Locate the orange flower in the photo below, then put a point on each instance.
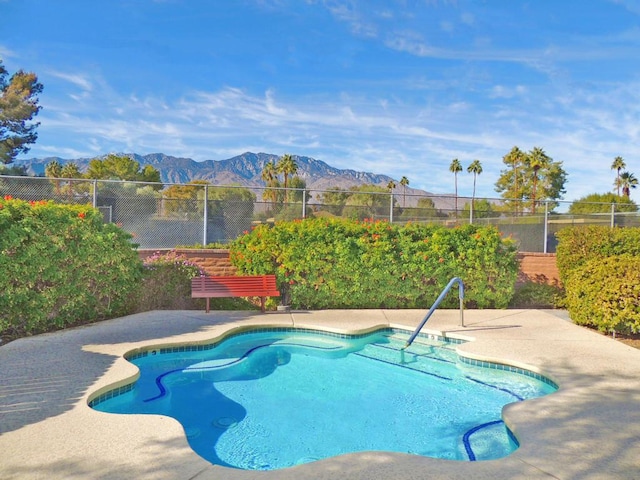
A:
(81, 214)
(441, 260)
(8, 197)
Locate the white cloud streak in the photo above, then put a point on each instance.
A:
(347, 132)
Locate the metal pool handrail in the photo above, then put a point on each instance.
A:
(435, 305)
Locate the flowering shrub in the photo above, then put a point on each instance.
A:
(61, 265)
(337, 263)
(166, 282)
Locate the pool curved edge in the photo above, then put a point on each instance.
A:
(590, 428)
(126, 384)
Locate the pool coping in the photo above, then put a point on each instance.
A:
(588, 429)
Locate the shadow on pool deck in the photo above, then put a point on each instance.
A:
(45, 375)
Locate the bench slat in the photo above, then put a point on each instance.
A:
(234, 286)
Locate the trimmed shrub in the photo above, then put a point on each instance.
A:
(337, 263)
(60, 265)
(605, 293)
(578, 245)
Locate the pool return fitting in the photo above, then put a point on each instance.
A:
(444, 292)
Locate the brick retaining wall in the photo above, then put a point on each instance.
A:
(213, 261)
(537, 267)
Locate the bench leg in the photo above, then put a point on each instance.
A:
(262, 299)
(207, 310)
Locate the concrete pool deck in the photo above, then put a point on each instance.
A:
(589, 429)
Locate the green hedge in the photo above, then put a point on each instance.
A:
(578, 245)
(60, 265)
(605, 293)
(600, 269)
(336, 263)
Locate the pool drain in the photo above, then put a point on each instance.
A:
(224, 422)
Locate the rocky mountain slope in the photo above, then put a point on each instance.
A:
(245, 170)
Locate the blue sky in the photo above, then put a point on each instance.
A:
(393, 87)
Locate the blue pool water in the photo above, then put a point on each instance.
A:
(274, 399)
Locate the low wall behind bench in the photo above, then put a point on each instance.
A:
(537, 267)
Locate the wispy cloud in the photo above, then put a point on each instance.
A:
(349, 12)
(78, 80)
(6, 52)
(395, 139)
(398, 88)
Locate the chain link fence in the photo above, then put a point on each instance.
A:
(170, 215)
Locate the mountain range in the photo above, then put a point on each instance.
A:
(245, 170)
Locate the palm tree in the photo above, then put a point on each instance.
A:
(287, 166)
(53, 169)
(455, 168)
(70, 171)
(618, 164)
(515, 158)
(537, 159)
(404, 181)
(269, 174)
(476, 169)
(391, 185)
(627, 182)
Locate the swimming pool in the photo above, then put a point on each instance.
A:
(273, 398)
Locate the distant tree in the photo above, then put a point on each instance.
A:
(425, 211)
(53, 170)
(404, 181)
(270, 177)
(14, 170)
(151, 175)
(122, 167)
(538, 160)
(476, 169)
(299, 186)
(627, 181)
(455, 168)
(72, 171)
(181, 200)
(601, 203)
(230, 210)
(287, 166)
(391, 185)
(482, 209)
(18, 106)
(367, 201)
(334, 200)
(618, 165)
(532, 177)
(511, 182)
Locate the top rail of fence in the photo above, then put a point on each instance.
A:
(165, 215)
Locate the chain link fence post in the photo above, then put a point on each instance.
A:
(546, 226)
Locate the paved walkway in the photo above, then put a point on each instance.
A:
(589, 429)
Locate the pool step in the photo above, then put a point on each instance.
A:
(443, 367)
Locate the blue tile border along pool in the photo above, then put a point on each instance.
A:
(208, 346)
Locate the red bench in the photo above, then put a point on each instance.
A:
(262, 286)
